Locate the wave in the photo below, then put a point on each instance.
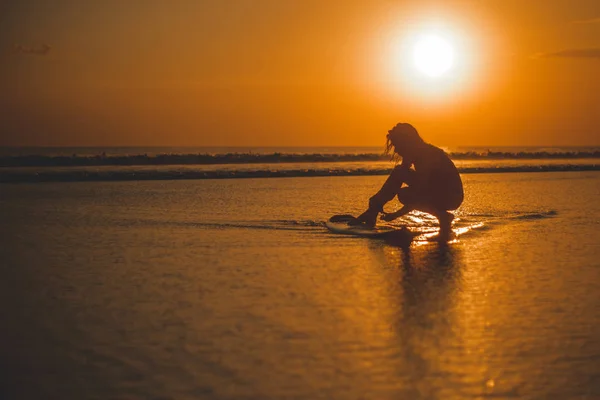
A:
(534, 216)
(77, 175)
(282, 225)
(261, 158)
(266, 225)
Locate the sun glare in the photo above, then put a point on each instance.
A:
(432, 61)
(433, 56)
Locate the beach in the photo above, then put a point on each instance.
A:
(177, 181)
(234, 289)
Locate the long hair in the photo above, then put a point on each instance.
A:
(390, 151)
(403, 133)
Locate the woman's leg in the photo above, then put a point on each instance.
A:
(431, 204)
(388, 191)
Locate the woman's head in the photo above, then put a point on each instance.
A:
(402, 139)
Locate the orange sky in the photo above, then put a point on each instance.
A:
(295, 73)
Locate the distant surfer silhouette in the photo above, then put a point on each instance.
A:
(431, 181)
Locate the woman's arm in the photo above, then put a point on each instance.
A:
(392, 216)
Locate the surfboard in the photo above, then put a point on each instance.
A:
(339, 224)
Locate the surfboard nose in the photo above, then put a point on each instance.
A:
(342, 218)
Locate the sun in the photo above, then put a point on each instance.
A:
(433, 56)
(432, 61)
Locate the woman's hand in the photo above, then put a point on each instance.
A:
(389, 216)
(392, 216)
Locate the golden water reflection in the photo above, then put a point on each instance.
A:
(435, 311)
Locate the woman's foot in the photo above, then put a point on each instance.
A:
(368, 218)
(445, 225)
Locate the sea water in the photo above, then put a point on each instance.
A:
(46, 164)
(234, 289)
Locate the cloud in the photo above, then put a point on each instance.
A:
(572, 53)
(588, 21)
(34, 51)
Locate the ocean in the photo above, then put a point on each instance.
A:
(51, 164)
(125, 286)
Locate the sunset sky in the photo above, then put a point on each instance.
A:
(296, 73)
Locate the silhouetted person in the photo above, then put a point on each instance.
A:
(433, 183)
